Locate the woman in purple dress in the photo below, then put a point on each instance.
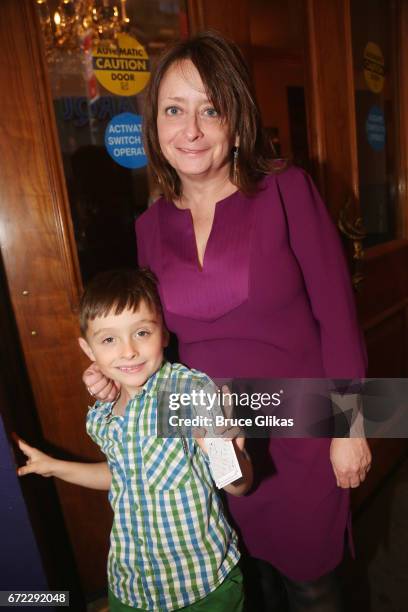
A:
(254, 284)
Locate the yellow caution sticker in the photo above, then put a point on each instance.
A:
(374, 67)
(124, 69)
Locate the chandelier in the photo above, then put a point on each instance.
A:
(67, 23)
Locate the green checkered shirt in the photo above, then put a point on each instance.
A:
(170, 542)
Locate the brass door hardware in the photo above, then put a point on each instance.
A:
(353, 229)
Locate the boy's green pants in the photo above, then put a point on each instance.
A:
(228, 597)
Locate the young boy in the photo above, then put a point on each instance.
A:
(171, 546)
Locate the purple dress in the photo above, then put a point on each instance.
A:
(273, 299)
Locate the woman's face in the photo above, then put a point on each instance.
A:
(192, 137)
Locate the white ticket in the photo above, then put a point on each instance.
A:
(224, 464)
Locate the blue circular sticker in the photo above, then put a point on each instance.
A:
(123, 140)
(375, 128)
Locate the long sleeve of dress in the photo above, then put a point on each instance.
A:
(316, 245)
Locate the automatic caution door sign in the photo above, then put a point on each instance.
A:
(123, 69)
(374, 67)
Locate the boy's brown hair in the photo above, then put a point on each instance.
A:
(116, 290)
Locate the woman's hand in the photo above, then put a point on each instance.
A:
(351, 460)
(100, 387)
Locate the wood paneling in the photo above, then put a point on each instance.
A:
(387, 453)
(272, 76)
(18, 412)
(278, 25)
(332, 139)
(383, 306)
(231, 21)
(385, 279)
(402, 120)
(387, 352)
(330, 101)
(39, 257)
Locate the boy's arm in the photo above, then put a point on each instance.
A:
(91, 475)
(243, 484)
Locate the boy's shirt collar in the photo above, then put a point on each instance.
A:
(151, 385)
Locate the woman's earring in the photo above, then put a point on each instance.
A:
(235, 164)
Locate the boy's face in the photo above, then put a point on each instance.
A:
(127, 347)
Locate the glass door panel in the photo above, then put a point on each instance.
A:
(99, 55)
(374, 44)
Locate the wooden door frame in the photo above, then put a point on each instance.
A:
(336, 170)
(203, 15)
(39, 254)
(334, 159)
(327, 108)
(402, 95)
